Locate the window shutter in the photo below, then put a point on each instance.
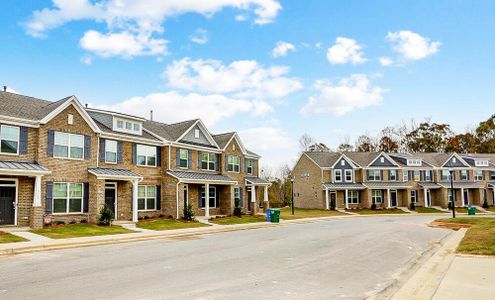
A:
(158, 156)
(86, 197)
(50, 143)
(254, 168)
(422, 175)
(49, 197)
(200, 189)
(217, 162)
(217, 197)
(411, 175)
(200, 159)
(240, 197)
(87, 147)
(240, 164)
(102, 150)
(381, 174)
(23, 140)
(134, 154)
(177, 157)
(226, 162)
(158, 198)
(189, 159)
(120, 152)
(246, 165)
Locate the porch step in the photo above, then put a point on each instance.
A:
(440, 208)
(405, 209)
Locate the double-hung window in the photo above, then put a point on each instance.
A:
(376, 196)
(392, 175)
(67, 198)
(374, 175)
(478, 175)
(146, 155)
(233, 163)
(208, 161)
(249, 166)
(184, 158)
(348, 175)
(337, 175)
(68, 145)
(417, 175)
(147, 197)
(353, 197)
(110, 151)
(445, 175)
(405, 175)
(464, 175)
(9, 139)
(428, 175)
(492, 175)
(213, 197)
(237, 197)
(414, 196)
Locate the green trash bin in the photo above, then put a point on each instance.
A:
(471, 210)
(275, 215)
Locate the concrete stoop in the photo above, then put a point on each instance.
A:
(440, 208)
(405, 209)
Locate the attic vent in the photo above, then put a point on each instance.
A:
(196, 133)
(454, 160)
(70, 119)
(342, 162)
(233, 147)
(382, 159)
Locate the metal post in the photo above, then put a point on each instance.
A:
(292, 190)
(452, 192)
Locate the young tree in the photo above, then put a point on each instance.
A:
(387, 144)
(345, 148)
(463, 143)
(365, 143)
(305, 141)
(485, 133)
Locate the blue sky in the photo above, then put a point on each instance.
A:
(218, 62)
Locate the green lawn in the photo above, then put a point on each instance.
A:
(79, 230)
(168, 224)
(377, 211)
(238, 220)
(463, 210)
(300, 213)
(491, 208)
(10, 238)
(480, 237)
(428, 210)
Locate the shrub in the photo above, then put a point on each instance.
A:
(412, 206)
(373, 206)
(237, 208)
(59, 223)
(188, 213)
(84, 221)
(485, 205)
(146, 217)
(106, 216)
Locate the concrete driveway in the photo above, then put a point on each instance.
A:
(339, 258)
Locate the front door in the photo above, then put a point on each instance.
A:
(466, 197)
(428, 198)
(186, 195)
(7, 205)
(110, 197)
(333, 200)
(393, 198)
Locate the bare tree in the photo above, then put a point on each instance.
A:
(305, 141)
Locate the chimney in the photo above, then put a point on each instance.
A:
(86, 105)
(151, 115)
(4, 88)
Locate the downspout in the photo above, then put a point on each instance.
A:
(169, 153)
(177, 197)
(98, 152)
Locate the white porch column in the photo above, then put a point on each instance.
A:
(425, 196)
(388, 199)
(346, 199)
(326, 199)
(135, 201)
(493, 195)
(253, 194)
(207, 200)
(37, 192)
(462, 197)
(265, 195)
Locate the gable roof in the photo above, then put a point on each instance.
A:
(177, 130)
(222, 139)
(362, 159)
(323, 159)
(401, 160)
(27, 108)
(440, 159)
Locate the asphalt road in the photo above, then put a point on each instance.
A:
(346, 258)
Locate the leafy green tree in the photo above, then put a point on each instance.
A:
(428, 137)
(485, 133)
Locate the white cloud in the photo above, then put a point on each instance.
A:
(241, 18)
(200, 36)
(123, 44)
(134, 24)
(266, 138)
(240, 79)
(412, 46)
(282, 48)
(345, 51)
(172, 107)
(385, 61)
(350, 93)
(87, 60)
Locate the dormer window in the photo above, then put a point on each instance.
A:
(414, 162)
(481, 163)
(127, 126)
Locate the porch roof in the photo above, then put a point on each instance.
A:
(23, 168)
(197, 177)
(256, 181)
(343, 186)
(429, 185)
(114, 174)
(387, 185)
(490, 184)
(462, 185)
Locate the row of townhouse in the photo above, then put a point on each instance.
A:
(359, 179)
(61, 161)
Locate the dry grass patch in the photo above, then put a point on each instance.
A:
(6, 237)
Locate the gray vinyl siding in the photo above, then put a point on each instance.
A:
(386, 162)
(202, 140)
(451, 163)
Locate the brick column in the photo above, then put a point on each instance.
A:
(36, 217)
(96, 198)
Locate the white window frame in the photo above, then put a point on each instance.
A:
(107, 142)
(353, 197)
(337, 173)
(374, 177)
(69, 145)
(233, 162)
(18, 139)
(390, 175)
(67, 199)
(146, 156)
(203, 196)
(405, 175)
(464, 174)
(128, 126)
(181, 151)
(414, 195)
(445, 175)
(249, 166)
(146, 197)
(478, 175)
(481, 163)
(211, 158)
(348, 175)
(427, 175)
(417, 175)
(375, 195)
(492, 175)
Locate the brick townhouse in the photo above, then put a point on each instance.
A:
(62, 161)
(359, 179)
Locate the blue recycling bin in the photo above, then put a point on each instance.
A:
(268, 217)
